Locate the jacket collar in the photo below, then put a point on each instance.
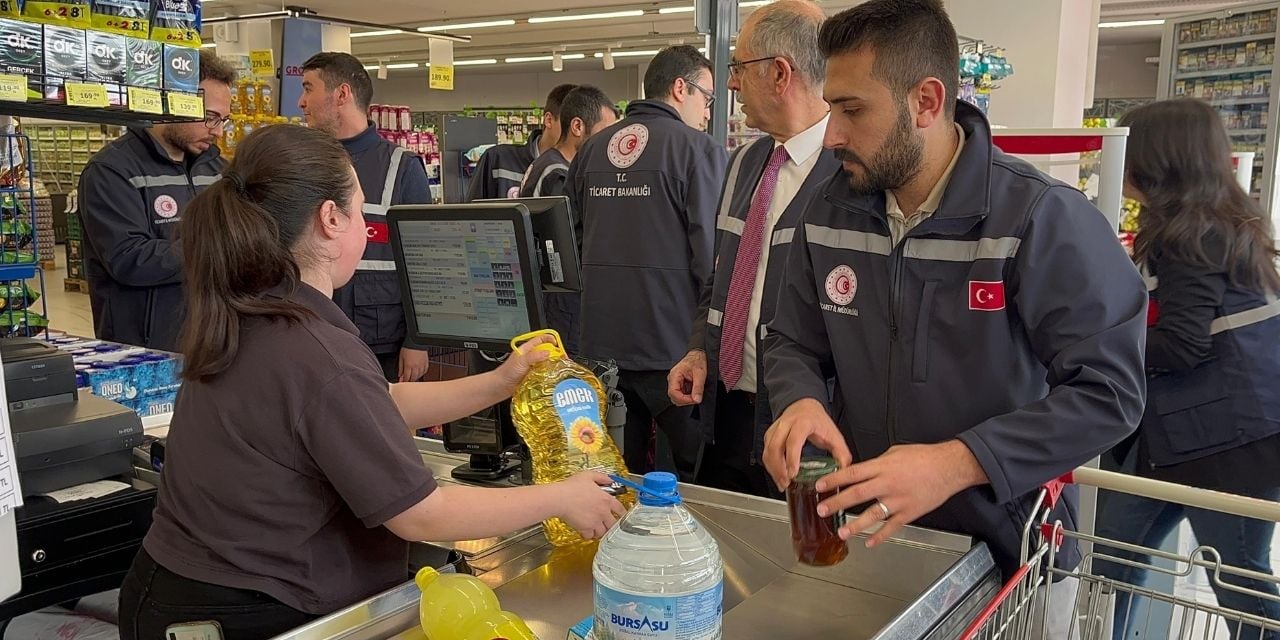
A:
(363, 141)
(311, 299)
(532, 144)
(158, 152)
(652, 108)
(968, 193)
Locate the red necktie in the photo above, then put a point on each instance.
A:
(743, 281)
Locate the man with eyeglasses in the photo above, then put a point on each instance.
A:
(778, 74)
(646, 189)
(132, 194)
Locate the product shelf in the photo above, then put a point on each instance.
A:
(40, 105)
(1224, 71)
(1245, 39)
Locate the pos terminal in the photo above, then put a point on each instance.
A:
(471, 277)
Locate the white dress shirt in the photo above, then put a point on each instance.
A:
(803, 150)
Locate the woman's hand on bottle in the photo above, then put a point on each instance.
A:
(585, 505)
(517, 365)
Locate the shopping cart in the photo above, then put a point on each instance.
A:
(1021, 610)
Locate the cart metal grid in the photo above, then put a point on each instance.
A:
(1020, 610)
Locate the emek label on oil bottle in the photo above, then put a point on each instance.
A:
(579, 408)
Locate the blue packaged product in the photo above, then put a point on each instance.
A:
(154, 405)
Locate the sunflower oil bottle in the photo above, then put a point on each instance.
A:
(461, 607)
(559, 411)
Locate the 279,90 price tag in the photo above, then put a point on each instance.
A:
(186, 105)
(145, 101)
(13, 88)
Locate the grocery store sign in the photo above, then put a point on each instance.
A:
(441, 72)
(145, 101)
(86, 95)
(262, 63)
(13, 88)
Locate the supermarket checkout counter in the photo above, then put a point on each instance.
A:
(921, 584)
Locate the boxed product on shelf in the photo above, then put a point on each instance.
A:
(122, 17)
(181, 68)
(176, 22)
(145, 381)
(65, 58)
(22, 48)
(144, 65)
(66, 13)
(106, 52)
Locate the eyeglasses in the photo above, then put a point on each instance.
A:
(735, 68)
(214, 121)
(711, 97)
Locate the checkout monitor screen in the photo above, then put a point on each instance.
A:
(467, 275)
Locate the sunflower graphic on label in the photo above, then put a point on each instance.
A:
(578, 406)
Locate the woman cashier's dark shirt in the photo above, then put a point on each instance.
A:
(280, 472)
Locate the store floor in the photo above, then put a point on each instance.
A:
(69, 312)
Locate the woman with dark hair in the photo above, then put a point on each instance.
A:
(291, 480)
(1213, 353)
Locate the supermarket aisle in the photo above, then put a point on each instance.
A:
(68, 311)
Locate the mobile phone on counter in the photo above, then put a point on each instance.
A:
(208, 630)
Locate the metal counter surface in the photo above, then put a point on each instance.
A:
(903, 589)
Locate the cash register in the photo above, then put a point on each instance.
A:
(62, 437)
(474, 275)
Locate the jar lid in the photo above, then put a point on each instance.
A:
(813, 468)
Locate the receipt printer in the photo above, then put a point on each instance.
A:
(62, 437)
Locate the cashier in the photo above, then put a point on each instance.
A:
(291, 481)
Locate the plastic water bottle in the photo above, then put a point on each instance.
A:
(658, 573)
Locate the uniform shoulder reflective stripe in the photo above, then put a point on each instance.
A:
(715, 317)
(1246, 318)
(961, 250)
(143, 182)
(204, 181)
(376, 265)
(375, 209)
(537, 187)
(506, 174)
(848, 239)
(733, 225)
(726, 199)
(783, 236)
(393, 171)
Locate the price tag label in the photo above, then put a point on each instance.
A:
(86, 95)
(13, 88)
(262, 63)
(146, 101)
(186, 105)
(441, 77)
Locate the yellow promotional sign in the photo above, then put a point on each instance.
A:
(145, 101)
(262, 63)
(441, 77)
(13, 88)
(186, 105)
(86, 95)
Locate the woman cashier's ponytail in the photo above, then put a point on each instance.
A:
(248, 232)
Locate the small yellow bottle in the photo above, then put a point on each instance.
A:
(461, 607)
(266, 103)
(559, 411)
(250, 99)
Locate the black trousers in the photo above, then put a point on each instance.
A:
(390, 365)
(152, 598)
(726, 464)
(647, 403)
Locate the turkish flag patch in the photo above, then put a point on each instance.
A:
(986, 296)
(378, 232)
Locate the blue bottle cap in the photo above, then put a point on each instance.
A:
(659, 489)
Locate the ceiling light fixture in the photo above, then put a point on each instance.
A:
(1130, 23)
(375, 34)
(627, 54)
(399, 65)
(667, 10)
(754, 3)
(208, 45)
(567, 56)
(467, 25)
(470, 63)
(587, 16)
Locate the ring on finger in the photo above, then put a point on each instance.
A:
(884, 509)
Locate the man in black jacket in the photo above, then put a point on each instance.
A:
(336, 91)
(132, 194)
(501, 170)
(646, 189)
